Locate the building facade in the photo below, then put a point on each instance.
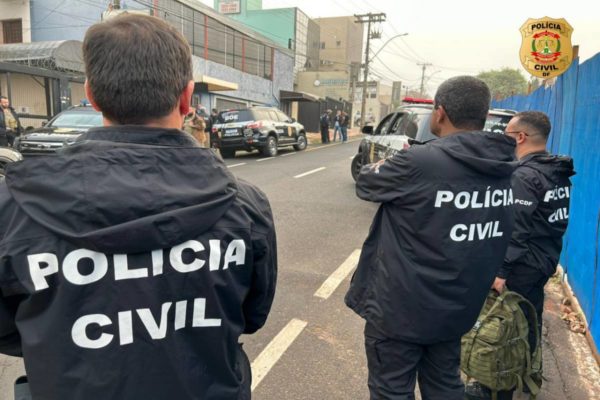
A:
(233, 65)
(15, 21)
(340, 49)
(378, 103)
(290, 28)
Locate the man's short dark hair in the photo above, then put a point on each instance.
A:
(3, 98)
(137, 67)
(534, 123)
(466, 101)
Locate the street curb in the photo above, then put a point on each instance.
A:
(577, 308)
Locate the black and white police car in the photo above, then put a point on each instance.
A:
(263, 128)
(409, 123)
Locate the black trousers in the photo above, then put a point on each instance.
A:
(529, 282)
(324, 135)
(395, 366)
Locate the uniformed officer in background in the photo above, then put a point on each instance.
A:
(542, 190)
(131, 263)
(434, 247)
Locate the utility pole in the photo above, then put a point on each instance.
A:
(368, 19)
(424, 66)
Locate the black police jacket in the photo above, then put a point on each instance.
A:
(438, 238)
(130, 265)
(542, 191)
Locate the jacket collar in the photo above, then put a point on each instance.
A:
(532, 155)
(136, 134)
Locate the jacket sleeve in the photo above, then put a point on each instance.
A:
(10, 340)
(387, 180)
(262, 291)
(526, 198)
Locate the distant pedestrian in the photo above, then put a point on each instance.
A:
(214, 119)
(198, 125)
(10, 126)
(344, 120)
(325, 126)
(336, 125)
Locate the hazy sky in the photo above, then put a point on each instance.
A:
(457, 37)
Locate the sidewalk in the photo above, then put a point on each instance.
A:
(315, 137)
(569, 366)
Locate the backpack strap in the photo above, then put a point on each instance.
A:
(534, 388)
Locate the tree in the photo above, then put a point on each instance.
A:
(504, 82)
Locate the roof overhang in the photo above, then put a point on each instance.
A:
(286, 95)
(214, 84)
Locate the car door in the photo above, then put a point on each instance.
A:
(277, 125)
(289, 131)
(405, 127)
(379, 142)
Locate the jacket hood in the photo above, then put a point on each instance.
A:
(554, 167)
(484, 152)
(125, 189)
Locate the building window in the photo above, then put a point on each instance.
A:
(322, 45)
(338, 43)
(12, 31)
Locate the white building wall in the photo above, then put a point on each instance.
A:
(17, 9)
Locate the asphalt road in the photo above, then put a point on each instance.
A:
(320, 224)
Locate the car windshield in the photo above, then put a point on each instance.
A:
(496, 123)
(77, 119)
(235, 116)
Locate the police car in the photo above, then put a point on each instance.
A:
(263, 128)
(409, 123)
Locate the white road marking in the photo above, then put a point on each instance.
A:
(274, 350)
(351, 157)
(310, 172)
(265, 159)
(288, 154)
(334, 280)
(236, 165)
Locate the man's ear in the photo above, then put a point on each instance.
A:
(89, 96)
(440, 115)
(185, 100)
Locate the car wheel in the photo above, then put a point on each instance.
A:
(301, 143)
(356, 165)
(270, 149)
(227, 153)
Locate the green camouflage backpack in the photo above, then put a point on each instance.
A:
(496, 353)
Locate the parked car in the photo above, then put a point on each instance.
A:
(262, 128)
(60, 131)
(8, 155)
(409, 124)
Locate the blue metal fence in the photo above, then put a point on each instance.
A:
(573, 105)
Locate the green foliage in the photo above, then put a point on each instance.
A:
(504, 82)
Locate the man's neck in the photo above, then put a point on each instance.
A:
(171, 121)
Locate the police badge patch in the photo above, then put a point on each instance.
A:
(546, 50)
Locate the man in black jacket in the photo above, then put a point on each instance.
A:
(542, 190)
(434, 247)
(131, 263)
(324, 124)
